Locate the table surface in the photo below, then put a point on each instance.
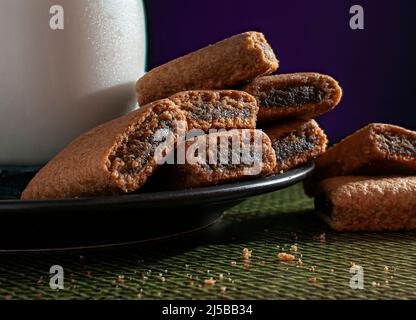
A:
(266, 225)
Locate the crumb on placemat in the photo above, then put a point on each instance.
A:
(285, 256)
(210, 282)
(246, 254)
(121, 279)
(313, 280)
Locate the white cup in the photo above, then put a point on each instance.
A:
(57, 83)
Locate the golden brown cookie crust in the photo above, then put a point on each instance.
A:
(296, 142)
(218, 66)
(217, 109)
(294, 95)
(350, 204)
(91, 166)
(197, 175)
(377, 149)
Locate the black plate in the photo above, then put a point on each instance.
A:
(120, 220)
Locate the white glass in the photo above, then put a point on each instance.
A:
(56, 84)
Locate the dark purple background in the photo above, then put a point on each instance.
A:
(376, 67)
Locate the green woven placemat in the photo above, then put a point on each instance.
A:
(267, 225)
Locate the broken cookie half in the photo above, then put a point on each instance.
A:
(377, 149)
(217, 109)
(296, 143)
(295, 95)
(223, 157)
(114, 158)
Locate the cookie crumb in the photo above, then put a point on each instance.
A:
(221, 276)
(233, 263)
(210, 282)
(351, 264)
(121, 279)
(313, 280)
(375, 284)
(300, 262)
(294, 248)
(312, 269)
(223, 289)
(386, 269)
(246, 254)
(285, 256)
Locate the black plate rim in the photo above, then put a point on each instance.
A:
(113, 245)
(220, 192)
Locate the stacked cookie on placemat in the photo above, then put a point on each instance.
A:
(365, 182)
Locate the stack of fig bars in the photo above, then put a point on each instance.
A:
(364, 183)
(240, 121)
(229, 87)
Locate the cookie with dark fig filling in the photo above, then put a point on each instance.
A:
(358, 203)
(377, 149)
(296, 142)
(222, 109)
(222, 157)
(295, 95)
(115, 158)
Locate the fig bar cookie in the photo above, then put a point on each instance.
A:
(377, 149)
(116, 157)
(223, 157)
(368, 203)
(296, 142)
(209, 109)
(222, 65)
(296, 95)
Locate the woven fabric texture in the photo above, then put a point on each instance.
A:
(280, 222)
